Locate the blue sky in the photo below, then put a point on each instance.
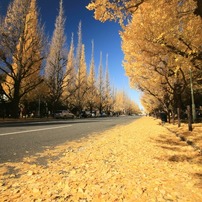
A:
(105, 35)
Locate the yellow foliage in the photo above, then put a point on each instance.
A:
(27, 59)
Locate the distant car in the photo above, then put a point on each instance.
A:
(85, 114)
(63, 114)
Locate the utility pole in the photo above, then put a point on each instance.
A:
(192, 96)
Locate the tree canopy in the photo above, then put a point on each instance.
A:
(161, 41)
(66, 82)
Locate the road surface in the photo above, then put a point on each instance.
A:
(18, 140)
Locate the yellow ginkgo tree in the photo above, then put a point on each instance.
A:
(161, 41)
(21, 45)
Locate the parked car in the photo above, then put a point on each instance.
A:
(86, 114)
(63, 114)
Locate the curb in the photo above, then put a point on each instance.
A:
(189, 142)
(21, 121)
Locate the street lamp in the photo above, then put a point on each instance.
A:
(192, 96)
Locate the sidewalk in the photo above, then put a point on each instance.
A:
(142, 162)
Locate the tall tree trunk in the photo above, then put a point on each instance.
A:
(178, 117)
(169, 118)
(189, 118)
(15, 108)
(16, 100)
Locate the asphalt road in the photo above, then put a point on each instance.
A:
(18, 140)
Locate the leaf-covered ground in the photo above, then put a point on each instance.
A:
(142, 161)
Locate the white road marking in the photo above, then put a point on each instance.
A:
(35, 130)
